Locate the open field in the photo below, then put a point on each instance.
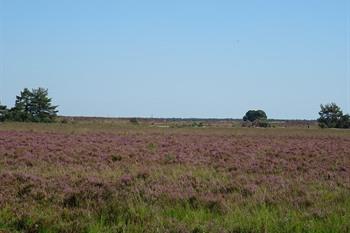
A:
(119, 177)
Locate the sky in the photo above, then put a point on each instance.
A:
(198, 58)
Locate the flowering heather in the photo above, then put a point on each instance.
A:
(174, 180)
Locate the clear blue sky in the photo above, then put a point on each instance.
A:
(178, 58)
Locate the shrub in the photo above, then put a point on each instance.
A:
(261, 123)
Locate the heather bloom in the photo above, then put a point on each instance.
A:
(100, 174)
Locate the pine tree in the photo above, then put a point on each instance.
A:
(40, 106)
(21, 111)
(3, 112)
(34, 106)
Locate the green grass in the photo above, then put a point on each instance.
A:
(137, 215)
(140, 216)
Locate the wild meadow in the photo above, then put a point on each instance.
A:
(120, 177)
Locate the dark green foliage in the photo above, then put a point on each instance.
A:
(41, 108)
(3, 112)
(331, 116)
(21, 111)
(261, 123)
(32, 106)
(345, 122)
(253, 115)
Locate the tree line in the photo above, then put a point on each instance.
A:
(30, 106)
(35, 106)
(331, 116)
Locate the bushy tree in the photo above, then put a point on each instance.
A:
(345, 122)
(253, 115)
(256, 118)
(331, 116)
(34, 106)
(3, 112)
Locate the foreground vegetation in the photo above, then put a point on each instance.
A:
(122, 177)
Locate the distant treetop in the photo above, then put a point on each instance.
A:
(253, 115)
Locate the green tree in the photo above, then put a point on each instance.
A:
(253, 115)
(3, 112)
(345, 122)
(40, 108)
(21, 111)
(34, 106)
(331, 116)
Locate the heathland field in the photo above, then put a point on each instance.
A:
(105, 176)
